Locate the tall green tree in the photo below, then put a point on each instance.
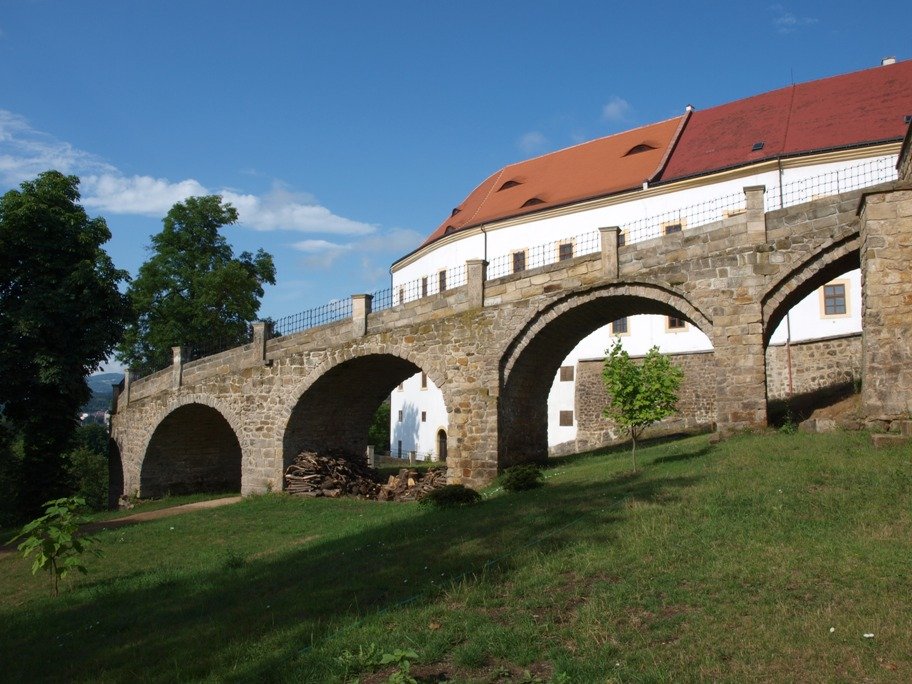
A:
(193, 291)
(640, 393)
(61, 314)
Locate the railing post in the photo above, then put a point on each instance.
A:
(610, 251)
(756, 216)
(259, 342)
(476, 271)
(361, 308)
(177, 366)
(371, 456)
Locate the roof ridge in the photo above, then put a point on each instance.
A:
(589, 142)
(803, 83)
(485, 199)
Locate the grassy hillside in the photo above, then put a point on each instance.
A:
(763, 558)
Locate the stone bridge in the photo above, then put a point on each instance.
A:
(234, 420)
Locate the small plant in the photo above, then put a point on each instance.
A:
(449, 496)
(403, 662)
(789, 426)
(520, 478)
(53, 539)
(355, 663)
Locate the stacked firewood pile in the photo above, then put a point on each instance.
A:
(411, 485)
(314, 474)
(335, 475)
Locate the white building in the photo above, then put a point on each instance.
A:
(801, 142)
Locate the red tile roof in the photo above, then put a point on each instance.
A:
(850, 110)
(592, 169)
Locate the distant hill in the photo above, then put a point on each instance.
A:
(100, 384)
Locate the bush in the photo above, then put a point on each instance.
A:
(450, 496)
(521, 477)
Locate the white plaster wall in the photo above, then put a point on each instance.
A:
(416, 434)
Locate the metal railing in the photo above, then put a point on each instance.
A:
(684, 218)
(193, 352)
(335, 310)
(830, 183)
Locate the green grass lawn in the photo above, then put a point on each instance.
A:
(762, 558)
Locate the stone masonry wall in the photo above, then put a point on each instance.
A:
(816, 365)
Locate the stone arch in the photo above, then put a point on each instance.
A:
(533, 356)
(193, 446)
(834, 259)
(331, 409)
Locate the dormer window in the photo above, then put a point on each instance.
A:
(758, 146)
(509, 184)
(637, 149)
(456, 210)
(448, 230)
(533, 201)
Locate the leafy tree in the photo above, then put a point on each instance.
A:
(52, 537)
(379, 432)
(61, 314)
(641, 393)
(193, 291)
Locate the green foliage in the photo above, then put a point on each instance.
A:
(403, 662)
(53, 539)
(86, 465)
(193, 291)
(522, 477)
(379, 433)
(61, 314)
(449, 496)
(640, 393)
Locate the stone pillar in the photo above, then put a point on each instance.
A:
(904, 163)
(177, 366)
(259, 343)
(476, 272)
(412, 457)
(610, 251)
(886, 315)
(371, 456)
(124, 398)
(740, 360)
(361, 308)
(756, 216)
(472, 435)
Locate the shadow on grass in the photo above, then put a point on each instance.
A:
(256, 616)
(623, 448)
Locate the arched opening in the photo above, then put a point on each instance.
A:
(334, 414)
(192, 450)
(441, 446)
(813, 339)
(563, 350)
(115, 474)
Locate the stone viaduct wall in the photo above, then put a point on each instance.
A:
(494, 347)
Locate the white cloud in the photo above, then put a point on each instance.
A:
(318, 246)
(324, 253)
(533, 141)
(26, 152)
(616, 109)
(786, 22)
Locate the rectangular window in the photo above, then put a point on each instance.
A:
(622, 238)
(400, 416)
(424, 416)
(442, 280)
(566, 418)
(399, 449)
(423, 380)
(424, 286)
(619, 327)
(835, 302)
(566, 373)
(673, 228)
(675, 323)
(519, 262)
(401, 295)
(564, 251)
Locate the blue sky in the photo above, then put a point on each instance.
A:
(345, 132)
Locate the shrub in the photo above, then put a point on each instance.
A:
(519, 478)
(449, 496)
